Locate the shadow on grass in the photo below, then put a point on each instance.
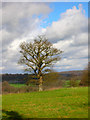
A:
(11, 115)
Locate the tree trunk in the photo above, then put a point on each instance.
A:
(40, 84)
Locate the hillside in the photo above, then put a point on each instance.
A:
(22, 78)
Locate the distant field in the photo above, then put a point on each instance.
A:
(67, 84)
(61, 103)
(18, 85)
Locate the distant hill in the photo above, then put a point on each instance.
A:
(22, 78)
(69, 73)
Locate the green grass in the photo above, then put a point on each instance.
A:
(17, 85)
(61, 103)
(20, 85)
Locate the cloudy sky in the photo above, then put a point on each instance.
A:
(64, 23)
(45, 0)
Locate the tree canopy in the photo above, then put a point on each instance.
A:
(39, 55)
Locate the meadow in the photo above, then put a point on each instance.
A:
(60, 103)
(18, 85)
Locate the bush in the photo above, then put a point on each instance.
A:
(0, 87)
(62, 83)
(7, 88)
(71, 83)
(5, 83)
(85, 81)
(25, 89)
(74, 83)
(51, 80)
(28, 83)
(32, 83)
(85, 78)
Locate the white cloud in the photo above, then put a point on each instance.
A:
(69, 34)
(20, 23)
(73, 57)
(13, 12)
(71, 64)
(71, 23)
(81, 39)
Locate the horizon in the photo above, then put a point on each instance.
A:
(44, 73)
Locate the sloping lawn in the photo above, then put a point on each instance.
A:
(61, 103)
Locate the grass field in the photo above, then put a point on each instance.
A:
(20, 85)
(17, 85)
(61, 103)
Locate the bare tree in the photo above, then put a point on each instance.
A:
(39, 56)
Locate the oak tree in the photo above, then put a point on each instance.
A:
(39, 56)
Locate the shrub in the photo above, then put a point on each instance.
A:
(85, 78)
(7, 88)
(25, 89)
(5, 83)
(32, 83)
(73, 82)
(62, 83)
(0, 87)
(85, 81)
(28, 83)
(51, 80)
